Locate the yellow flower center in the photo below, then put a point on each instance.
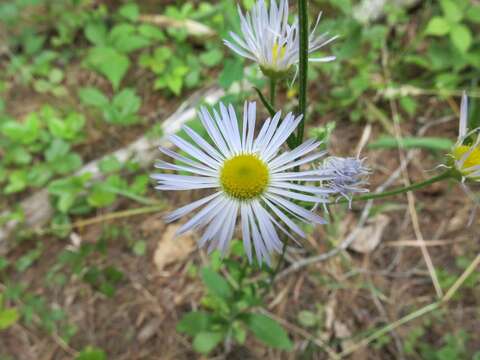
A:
(473, 159)
(244, 177)
(278, 53)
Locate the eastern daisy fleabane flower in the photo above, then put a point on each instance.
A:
(466, 156)
(268, 39)
(348, 176)
(251, 177)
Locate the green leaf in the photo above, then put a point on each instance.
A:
(473, 14)
(92, 353)
(17, 181)
(268, 331)
(123, 37)
(437, 26)
(430, 143)
(124, 108)
(39, 174)
(25, 261)
(205, 342)
(101, 196)
(212, 57)
(8, 317)
(451, 10)
(96, 33)
(461, 37)
(110, 63)
(110, 164)
(127, 102)
(232, 72)
(24, 133)
(216, 284)
(129, 11)
(194, 322)
(151, 32)
(93, 97)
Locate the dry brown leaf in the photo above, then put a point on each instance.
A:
(172, 248)
(368, 237)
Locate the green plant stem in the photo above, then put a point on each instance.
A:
(303, 66)
(273, 87)
(415, 186)
(302, 103)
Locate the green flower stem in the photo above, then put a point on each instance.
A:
(303, 66)
(273, 87)
(302, 105)
(413, 187)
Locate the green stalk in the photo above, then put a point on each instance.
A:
(273, 86)
(303, 67)
(302, 103)
(416, 186)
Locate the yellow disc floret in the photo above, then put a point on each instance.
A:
(244, 177)
(273, 70)
(278, 53)
(471, 160)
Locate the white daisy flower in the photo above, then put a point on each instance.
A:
(252, 179)
(466, 157)
(268, 39)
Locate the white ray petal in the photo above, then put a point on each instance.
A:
(184, 210)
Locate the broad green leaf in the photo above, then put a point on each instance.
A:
(216, 284)
(39, 174)
(17, 181)
(124, 108)
(100, 196)
(437, 26)
(25, 261)
(212, 57)
(123, 37)
(129, 11)
(127, 102)
(232, 72)
(451, 9)
(18, 155)
(91, 353)
(431, 143)
(194, 322)
(268, 331)
(473, 14)
(110, 164)
(110, 63)
(93, 97)
(205, 342)
(132, 43)
(24, 133)
(151, 32)
(96, 33)
(66, 129)
(8, 317)
(461, 37)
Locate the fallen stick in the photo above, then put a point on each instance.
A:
(192, 27)
(37, 208)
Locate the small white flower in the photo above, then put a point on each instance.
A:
(349, 175)
(250, 180)
(466, 157)
(268, 39)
